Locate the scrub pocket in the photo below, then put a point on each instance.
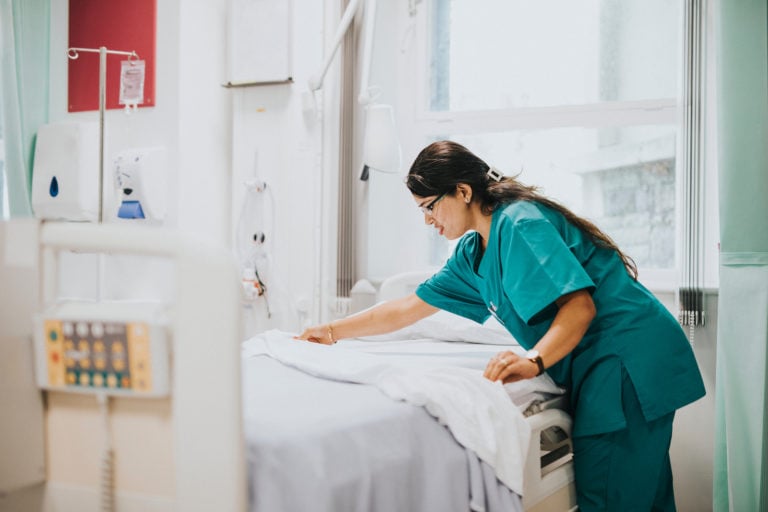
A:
(596, 398)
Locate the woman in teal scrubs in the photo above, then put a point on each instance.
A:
(570, 297)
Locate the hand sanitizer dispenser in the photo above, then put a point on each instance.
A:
(140, 180)
(65, 176)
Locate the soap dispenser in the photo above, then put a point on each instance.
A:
(65, 174)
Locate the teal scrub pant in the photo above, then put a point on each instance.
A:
(629, 469)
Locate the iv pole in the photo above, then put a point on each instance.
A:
(73, 53)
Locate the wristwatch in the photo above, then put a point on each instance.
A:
(534, 357)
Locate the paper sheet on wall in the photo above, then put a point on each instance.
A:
(260, 41)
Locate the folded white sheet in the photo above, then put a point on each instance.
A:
(479, 413)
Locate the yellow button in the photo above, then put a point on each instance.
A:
(111, 380)
(84, 379)
(71, 378)
(98, 380)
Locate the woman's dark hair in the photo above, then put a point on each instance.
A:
(442, 166)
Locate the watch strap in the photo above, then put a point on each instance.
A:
(539, 362)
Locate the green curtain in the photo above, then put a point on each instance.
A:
(25, 29)
(741, 449)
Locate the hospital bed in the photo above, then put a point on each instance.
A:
(329, 443)
(249, 432)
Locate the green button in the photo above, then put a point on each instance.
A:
(53, 335)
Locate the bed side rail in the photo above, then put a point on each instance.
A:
(548, 467)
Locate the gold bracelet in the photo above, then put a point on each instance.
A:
(330, 334)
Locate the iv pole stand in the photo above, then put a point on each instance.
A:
(73, 53)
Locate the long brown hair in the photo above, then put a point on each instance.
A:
(442, 166)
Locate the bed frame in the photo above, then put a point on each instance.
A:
(193, 435)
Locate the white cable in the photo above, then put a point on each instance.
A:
(107, 459)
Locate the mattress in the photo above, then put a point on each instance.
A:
(321, 442)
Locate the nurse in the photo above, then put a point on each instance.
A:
(569, 296)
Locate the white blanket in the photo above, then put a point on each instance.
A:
(479, 413)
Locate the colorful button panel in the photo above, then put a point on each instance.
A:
(98, 355)
(54, 349)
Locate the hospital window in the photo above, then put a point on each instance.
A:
(580, 98)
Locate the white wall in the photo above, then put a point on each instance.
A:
(277, 137)
(203, 118)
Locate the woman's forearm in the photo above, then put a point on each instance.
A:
(386, 317)
(574, 315)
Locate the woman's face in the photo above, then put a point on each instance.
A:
(449, 214)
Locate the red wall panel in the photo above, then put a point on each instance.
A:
(122, 25)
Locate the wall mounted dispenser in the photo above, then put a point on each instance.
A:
(65, 176)
(140, 179)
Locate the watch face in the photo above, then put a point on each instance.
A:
(532, 354)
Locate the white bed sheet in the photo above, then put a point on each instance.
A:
(330, 446)
(405, 371)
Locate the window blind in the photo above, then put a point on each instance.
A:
(690, 292)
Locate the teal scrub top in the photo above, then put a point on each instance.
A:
(533, 257)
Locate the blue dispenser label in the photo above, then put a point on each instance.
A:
(131, 210)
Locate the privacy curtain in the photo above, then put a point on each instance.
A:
(741, 450)
(24, 28)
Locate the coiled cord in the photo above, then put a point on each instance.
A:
(107, 484)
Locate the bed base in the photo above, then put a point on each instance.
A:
(548, 478)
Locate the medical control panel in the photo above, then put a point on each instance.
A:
(82, 353)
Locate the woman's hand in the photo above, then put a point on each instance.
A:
(317, 334)
(510, 367)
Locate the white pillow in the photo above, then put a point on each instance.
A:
(447, 326)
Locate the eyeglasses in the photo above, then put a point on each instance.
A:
(427, 208)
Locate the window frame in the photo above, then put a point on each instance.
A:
(418, 123)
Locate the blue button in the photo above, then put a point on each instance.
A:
(131, 210)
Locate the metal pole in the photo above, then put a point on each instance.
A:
(102, 108)
(74, 53)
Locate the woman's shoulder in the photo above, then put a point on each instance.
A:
(521, 211)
